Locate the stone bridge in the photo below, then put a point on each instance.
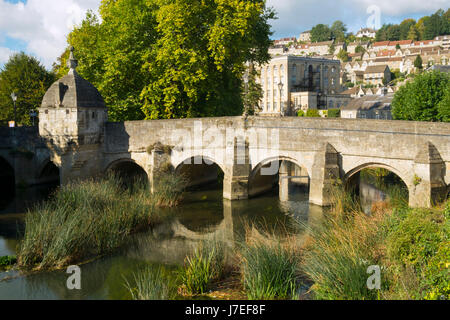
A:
(253, 154)
(324, 149)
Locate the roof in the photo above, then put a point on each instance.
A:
(381, 43)
(370, 102)
(351, 91)
(440, 68)
(376, 69)
(72, 91)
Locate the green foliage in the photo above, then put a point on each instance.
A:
(28, 79)
(6, 261)
(426, 28)
(171, 59)
(437, 274)
(252, 92)
(343, 55)
(300, 113)
(360, 49)
(418, 62)
(203, 266)
(334, 113)
(415, 240)
(312, 113)
(418, 245)
(420, 99)
(444, 106)
(321, 32)
(338, 31)
(269, 271)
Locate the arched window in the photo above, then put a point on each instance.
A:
(294, 74)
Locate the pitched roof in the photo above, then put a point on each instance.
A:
(370, 102)
(376, 69)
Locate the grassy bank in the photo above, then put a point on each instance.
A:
(410, 246)
(87, 219)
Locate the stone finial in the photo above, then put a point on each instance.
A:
(72, 63)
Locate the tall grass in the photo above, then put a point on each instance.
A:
(151, 284)
(269, 268)
(169, 189)
(203, 266)
(85, 219)
(341, 248)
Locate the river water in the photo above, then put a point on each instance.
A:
(203, 215)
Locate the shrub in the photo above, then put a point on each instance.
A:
(334, 113)
(313, 113)
(300, 113)
(437, 274)
(415, 239)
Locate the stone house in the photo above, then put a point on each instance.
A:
(305, 36)
(366, 32)
(369, 107)
(376, 74)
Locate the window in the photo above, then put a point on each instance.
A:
(294, 74)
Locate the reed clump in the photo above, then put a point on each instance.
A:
(151, 284)
(85, 219)
(270, 266)
(205, 265)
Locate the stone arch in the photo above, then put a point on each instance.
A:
(200, 170)
(128, 170)
(272, 159)
(48, 172)
(351, 173)
(259, 184)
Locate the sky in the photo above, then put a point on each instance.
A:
(40, 27)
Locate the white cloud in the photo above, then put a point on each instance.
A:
(4, 54)
(43, 24)
(296, 16)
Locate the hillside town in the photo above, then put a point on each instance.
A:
(325, 75)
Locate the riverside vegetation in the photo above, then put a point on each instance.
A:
(92, 218)
(411, 247)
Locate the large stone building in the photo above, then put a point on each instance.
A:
(292, 83)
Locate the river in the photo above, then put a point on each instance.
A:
(203, 215)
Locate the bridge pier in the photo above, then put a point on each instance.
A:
(285, 182)
(428, 186)
(325, 171)
(235, 183)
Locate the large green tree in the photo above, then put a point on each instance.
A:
(444, 106)
(29, 80)
(171, 58)
(423, 98)
(321, 32)
(338, 31)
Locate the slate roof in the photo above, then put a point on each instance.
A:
(370, 102)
